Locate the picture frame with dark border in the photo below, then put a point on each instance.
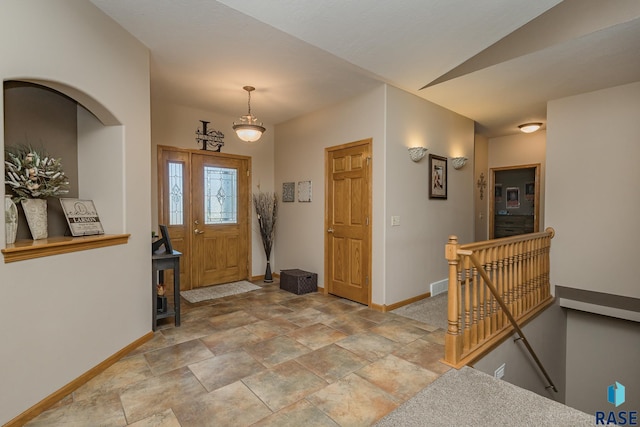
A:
(165, 241)
(437, 177)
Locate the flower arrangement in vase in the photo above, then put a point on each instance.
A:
(266, 205)
(33, 176)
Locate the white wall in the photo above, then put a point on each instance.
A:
(600, 351)
(64, 314)
(175, 125)
(592, 200)
(480, 165)
(546, 334)
(406, 259)
(414, 251)
(299, 156)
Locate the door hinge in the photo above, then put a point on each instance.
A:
(366, 279)
(248, 173)
(368, 160)
(367, 221)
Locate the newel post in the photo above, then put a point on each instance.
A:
(453, 339)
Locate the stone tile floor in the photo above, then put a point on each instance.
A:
(263, 358)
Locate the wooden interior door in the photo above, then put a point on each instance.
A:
(347, 219)
(219, 211)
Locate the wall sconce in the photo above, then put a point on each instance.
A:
(530, 127)
(209, 138)
(459, 162)
(417, 153)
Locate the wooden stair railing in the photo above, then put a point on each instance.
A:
(493, 287)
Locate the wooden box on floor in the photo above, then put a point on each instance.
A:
(298, 281)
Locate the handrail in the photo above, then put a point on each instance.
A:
(507, 312)
(494, 287)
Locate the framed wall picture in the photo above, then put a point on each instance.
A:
(304, 191)
(497, 189)
(437, 177)
(513, 197)
(529, 190)
(82, 217)
(288, 191)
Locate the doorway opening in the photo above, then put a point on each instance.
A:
(514, 204)
(204, 202)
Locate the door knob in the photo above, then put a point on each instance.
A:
(330, 230)
(196, 222)
(198, 231)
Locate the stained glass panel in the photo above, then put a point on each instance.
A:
(176, 194)
(220, 195)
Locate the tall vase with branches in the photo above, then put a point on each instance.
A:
(266, 204)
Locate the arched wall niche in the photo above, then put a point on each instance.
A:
(70, 124)
(87, 101)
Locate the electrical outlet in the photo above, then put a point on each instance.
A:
(499, 373)
(395, 221)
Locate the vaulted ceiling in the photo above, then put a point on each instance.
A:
(497, 62)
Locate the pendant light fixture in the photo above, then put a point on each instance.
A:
(248, 129)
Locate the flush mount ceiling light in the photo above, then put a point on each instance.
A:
(248, 129)
(530, 127)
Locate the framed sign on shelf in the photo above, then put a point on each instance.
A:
(82, 217)
(437, 177)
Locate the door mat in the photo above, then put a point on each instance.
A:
(218, 291)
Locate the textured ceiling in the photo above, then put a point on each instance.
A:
(496, 61)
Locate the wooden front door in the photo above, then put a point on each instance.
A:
(204, 201)
(347, 220)
(219, 204)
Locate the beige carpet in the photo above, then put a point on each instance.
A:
(432, 311)
(218, 291)
(472, 398)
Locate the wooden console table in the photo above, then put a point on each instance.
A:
(159, 263)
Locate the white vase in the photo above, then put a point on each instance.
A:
(10, 220)
(35, 210)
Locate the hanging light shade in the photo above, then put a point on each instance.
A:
(248, 129)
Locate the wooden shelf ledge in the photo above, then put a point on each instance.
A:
(29, 249)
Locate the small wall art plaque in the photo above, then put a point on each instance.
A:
(288, 191)
(304, 191)
(82, 217)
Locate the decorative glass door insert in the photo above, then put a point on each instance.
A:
(221, 195)
(176, 193)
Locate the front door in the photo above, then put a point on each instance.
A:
(204, 201)
(219, 205)
(348, 219)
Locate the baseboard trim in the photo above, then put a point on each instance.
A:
(261, 277)
(58, 395)
(386, 308)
